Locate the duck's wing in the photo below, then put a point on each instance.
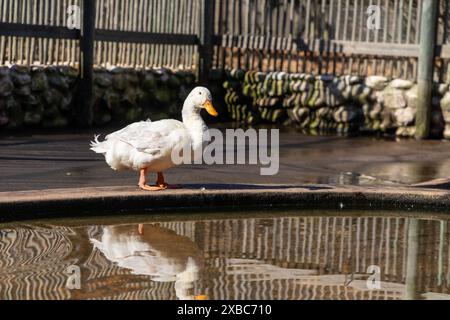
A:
(137, 126)
(151, 137)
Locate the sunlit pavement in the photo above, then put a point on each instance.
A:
(64, 161)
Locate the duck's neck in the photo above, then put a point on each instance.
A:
(194, 123)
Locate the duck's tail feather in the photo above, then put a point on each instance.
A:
(97, 146)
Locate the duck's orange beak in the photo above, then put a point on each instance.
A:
(201, 297)
(210, 109)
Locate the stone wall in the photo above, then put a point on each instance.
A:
(323, 104)
(36, 97)
(45, 98)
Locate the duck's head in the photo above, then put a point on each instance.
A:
(200, 98)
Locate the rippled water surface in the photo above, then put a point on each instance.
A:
(312, 255)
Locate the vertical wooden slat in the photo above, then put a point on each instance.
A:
(2, 38)
(84, 105)
(206, 49)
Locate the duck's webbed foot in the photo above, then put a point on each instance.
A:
(162, 184)
(143, 182)
(146, 187)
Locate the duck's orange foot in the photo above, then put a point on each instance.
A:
(161, 183)
(143, 183)
(165, 186)
(146, 187)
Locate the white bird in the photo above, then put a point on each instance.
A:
(148, 146)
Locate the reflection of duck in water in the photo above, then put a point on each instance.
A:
(154, 251)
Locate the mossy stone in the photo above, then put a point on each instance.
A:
(6, 87)
(39, 82)
(393, 98)
(133, 114)
(140, 95)
(376, 82)
(14, 113)
(189, 79)
(401, 84)
(132, 77)
(32, 119)
(130, 96)
(112, 99)
(68, 72)
(102, 118)
(163, 95)
(174, 82)
(103, 79)
(3, 119)
(51, 111)
(119, 82)
(445, 101)
(4, 71)
(58, 81)
(405, 116)
(102, 114)
(20, 79)
(149, 81)
(22, 90)
(20, 69)
(53, 96)
(57, 122)
(67, 102)
(71, 75)
(28, 100)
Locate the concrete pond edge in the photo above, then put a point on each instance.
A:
(63, 203)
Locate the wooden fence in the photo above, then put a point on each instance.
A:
(325, 36)
(135, 33)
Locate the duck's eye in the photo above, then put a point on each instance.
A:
(200, 93)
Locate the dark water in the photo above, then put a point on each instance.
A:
(312, 255)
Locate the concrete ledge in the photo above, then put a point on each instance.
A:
(443, 183)
(119, 200)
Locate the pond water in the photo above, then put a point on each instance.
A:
(273, 255)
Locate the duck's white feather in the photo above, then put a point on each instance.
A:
(143, 145)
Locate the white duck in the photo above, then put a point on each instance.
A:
(147, 146)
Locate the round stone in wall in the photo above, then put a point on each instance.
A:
(402, 84)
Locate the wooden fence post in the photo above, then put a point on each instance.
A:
(206, 41)
(85, 84)
(428, 34)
